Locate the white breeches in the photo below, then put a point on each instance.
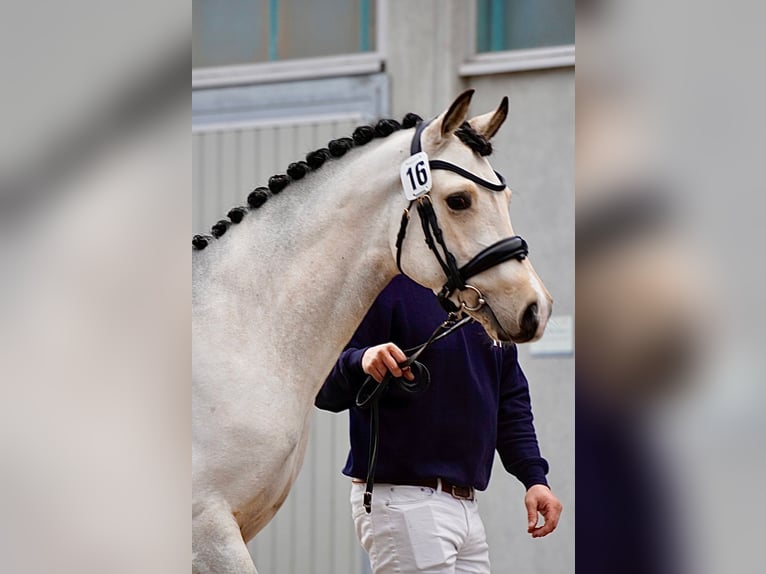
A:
(419, 529)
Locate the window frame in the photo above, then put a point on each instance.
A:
(348, 98)
(300, 68)
(507, 61)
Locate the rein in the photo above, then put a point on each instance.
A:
(515, 247)
(371, 391)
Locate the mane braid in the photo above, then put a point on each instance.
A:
(298, 170)
(258, 197)
(339, 147)
(278, 182)
(220, 228)
(315, 159)
(236, 214)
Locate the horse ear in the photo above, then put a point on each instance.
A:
(455, 115)
(449, 120)
(488, 124)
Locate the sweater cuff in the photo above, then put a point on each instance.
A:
(534, 474)
(530, 471)
(355, 361)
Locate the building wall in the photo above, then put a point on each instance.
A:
(423, 53)
(535, 151)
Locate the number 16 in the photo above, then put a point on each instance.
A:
(420, 174)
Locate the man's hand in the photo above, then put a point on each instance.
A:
(540, 499)
(377, 361)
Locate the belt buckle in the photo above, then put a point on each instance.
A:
(461, 492)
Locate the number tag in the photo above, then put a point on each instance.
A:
(416, 175)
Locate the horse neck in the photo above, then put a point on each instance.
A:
(297, 276)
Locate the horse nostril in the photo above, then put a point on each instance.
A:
(529, 321)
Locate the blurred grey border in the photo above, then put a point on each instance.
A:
(95, 182)
(670, 139)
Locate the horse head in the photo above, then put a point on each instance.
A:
(465, 248)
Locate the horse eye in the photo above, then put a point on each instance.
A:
(459, 201)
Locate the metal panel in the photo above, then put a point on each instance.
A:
(283, 103)
(313, 532)
(228, 164)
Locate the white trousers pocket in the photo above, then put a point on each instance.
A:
(427, 549)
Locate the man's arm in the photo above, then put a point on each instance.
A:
(518, 448)
(339, 390)
(363, 357)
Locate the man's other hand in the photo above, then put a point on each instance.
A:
(377, 361)
(540, 499)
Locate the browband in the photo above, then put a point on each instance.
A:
(416, 147)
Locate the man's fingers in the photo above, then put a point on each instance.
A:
(551, 515)
(531, 514)
(380, 360)
(545, 529)
(391, 364)
(399, 357)
(397, 353)
(377, 373)
(541, 531)
(552, 512)
(531, 524)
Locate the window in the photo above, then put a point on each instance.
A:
(523, 24)
(232, 32)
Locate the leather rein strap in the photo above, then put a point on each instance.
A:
(370, 393)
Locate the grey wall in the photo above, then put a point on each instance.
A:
(535, 151)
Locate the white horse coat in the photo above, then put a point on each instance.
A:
(276, 299)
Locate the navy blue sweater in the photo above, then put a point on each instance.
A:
(478, 401)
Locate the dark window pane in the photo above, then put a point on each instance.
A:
(230, 32)
(324, 28)
(519, 24)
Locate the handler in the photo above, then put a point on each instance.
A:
(436, 449)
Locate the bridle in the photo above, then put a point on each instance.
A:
(515, 247)
(457, 277)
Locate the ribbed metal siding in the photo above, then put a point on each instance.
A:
(313, 532)
(228, 164)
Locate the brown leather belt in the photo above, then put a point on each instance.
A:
(456, 490)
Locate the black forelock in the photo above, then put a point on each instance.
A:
(474, 140)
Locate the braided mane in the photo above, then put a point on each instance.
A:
(314, 160)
